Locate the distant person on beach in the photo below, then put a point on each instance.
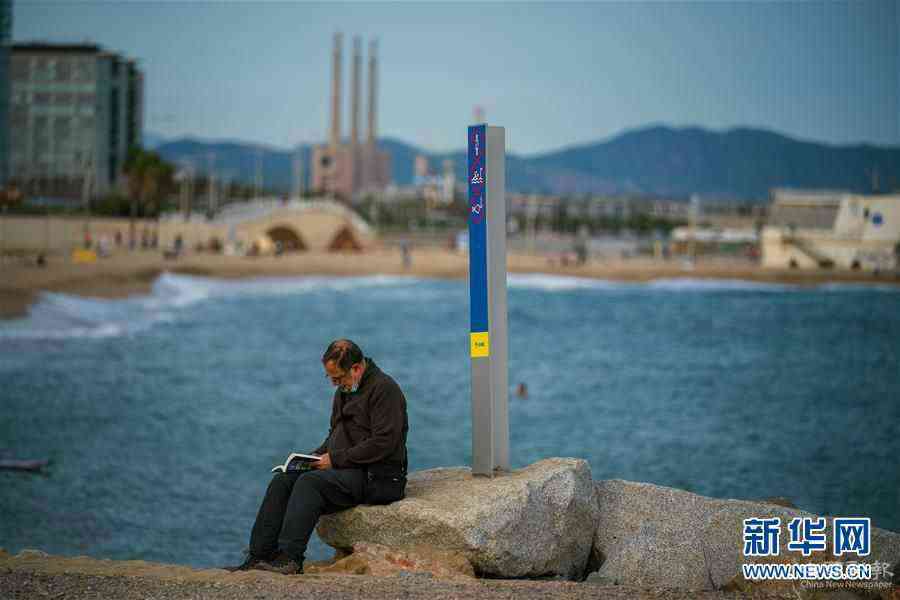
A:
(362, 461)
(406, 254)
(104, 246)
(581, 253)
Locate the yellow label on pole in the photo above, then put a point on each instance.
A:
(480, 344)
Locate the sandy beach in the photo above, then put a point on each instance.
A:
(127, 274)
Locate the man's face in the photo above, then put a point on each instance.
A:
(345, 380)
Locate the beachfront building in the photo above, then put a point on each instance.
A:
(434, 189)
(822, 229)
(269, 225)
(75, 110)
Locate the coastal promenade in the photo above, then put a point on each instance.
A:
(125, 274)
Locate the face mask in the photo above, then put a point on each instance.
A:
(352, 389)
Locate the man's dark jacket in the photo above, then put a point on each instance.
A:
(369, 426)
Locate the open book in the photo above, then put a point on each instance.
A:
(296, 462)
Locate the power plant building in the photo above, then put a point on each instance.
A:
(75, 111)
(6, 16)
(346, 169)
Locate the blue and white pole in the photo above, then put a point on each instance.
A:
(487, 297)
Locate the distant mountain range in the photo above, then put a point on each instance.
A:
(738, 164)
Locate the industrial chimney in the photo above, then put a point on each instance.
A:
(335, 137)
(373, 84)
(355, 91)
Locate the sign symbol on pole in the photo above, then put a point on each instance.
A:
(478, 211)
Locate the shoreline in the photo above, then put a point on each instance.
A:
(32, 573)
(128, 274)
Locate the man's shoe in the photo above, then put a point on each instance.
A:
(285, 567)
(250, 562)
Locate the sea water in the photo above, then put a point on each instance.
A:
(162, 415)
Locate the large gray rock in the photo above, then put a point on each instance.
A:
(652, 535)
(535, 521)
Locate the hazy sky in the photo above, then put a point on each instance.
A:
(554, 74)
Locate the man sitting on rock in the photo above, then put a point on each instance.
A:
(363, 460)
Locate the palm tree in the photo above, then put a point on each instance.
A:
(150, 178)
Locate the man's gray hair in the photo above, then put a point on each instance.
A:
(344, 353)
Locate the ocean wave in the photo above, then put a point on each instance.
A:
(562, 283)
(184, 290)
(20, 332)
(557, 283)
(688, 284)
(858, 287)
(61, 316)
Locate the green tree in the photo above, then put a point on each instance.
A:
(150, 178)
(111, 205)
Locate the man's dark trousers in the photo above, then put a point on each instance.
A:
(293, 504)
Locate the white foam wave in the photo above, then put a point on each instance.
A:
(561, 283)
(61, 316)
(555, 283)
(186, 289)
(859, 287)
(558, 283)
(715, 285)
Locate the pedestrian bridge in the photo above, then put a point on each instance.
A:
(267, 224)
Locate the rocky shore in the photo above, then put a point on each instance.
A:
(546, 530)
(550, 519)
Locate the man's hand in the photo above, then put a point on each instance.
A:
(323, 463)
